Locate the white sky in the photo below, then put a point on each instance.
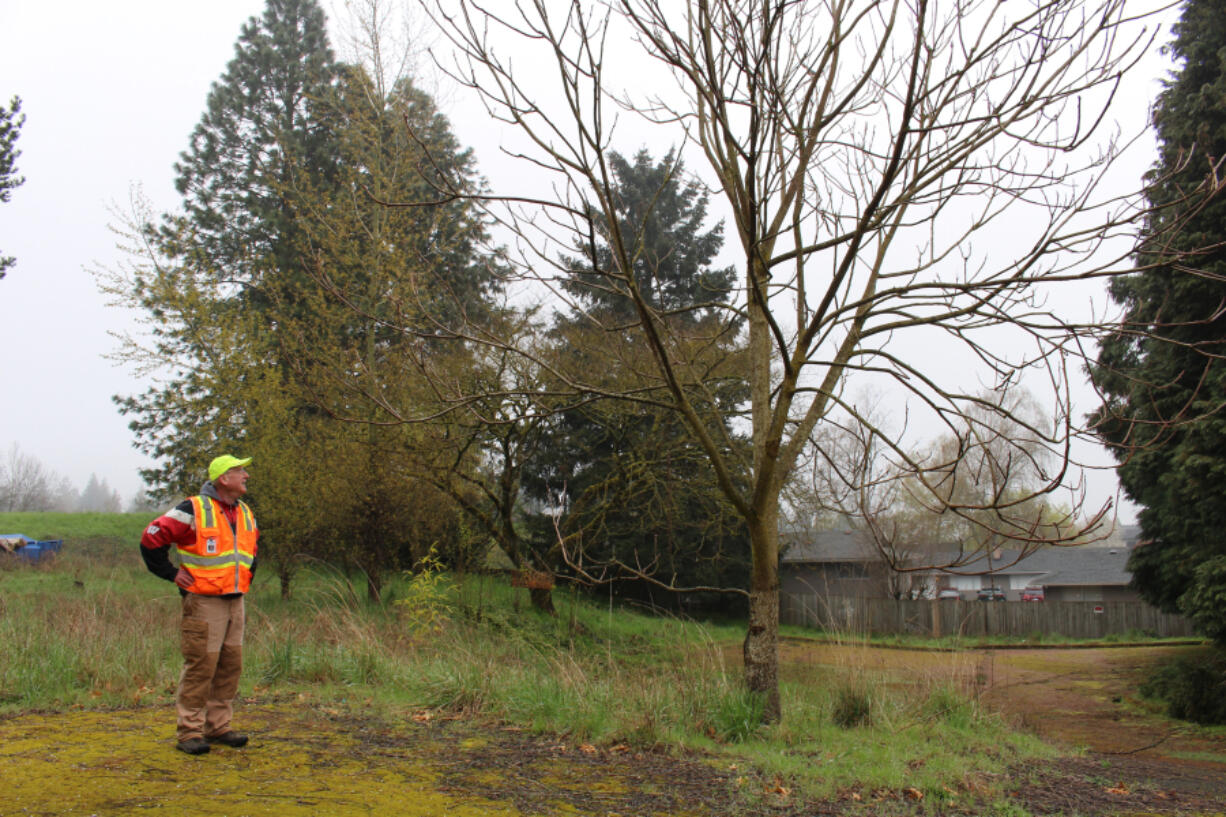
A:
(111, 92)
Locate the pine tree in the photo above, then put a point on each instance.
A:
(98, 496)
(11, 121)
(1162, 373)
(673, 258)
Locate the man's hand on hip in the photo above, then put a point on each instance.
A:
(184, 579)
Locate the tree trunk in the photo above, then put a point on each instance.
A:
(374, 586)
(542, 599)
(761, 647)
(761, 650)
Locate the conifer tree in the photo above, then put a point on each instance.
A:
(11, 121)
(284, 269)
(635, 484)
(266, 119)
(1162, 372)
(235, 248)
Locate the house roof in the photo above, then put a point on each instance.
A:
(1053, 566)
(827, 546)
(1062, 566)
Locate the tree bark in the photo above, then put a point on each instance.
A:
(542, 599)
(761, 646)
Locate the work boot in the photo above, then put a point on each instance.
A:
(232, 739)
(193, 746)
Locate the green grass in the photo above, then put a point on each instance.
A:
(93, 628)
(92, 533)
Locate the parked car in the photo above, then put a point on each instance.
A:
(991, 594)
(1034, 594)
(949, 593)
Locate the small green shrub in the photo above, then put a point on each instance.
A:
(427, 596)
(1193, 687)
(851, 705)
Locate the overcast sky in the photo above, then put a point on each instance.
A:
(111, 92)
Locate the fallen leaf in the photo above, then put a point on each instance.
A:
(913, 793)
(587, 748)
(1119, 788)
(421, 717)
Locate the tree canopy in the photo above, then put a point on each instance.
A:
(1161, 370)
(283, 268)
(636, 500)
(898, 177)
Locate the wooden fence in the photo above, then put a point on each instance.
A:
(1075, 619)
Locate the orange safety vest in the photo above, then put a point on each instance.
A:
(221, 558)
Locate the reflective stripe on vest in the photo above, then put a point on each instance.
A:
(220, 559)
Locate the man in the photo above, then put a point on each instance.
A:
(215, 536)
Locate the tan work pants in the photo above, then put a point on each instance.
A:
(212, 642)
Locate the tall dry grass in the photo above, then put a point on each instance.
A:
(96, 630)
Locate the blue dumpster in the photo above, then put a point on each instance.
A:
(30, 550)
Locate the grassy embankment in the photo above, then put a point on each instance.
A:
(95, 629)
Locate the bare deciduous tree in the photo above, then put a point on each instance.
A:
(914, 186)
(28, 485)
(984, 486)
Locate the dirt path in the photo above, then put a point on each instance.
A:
(1135, 760)
(1087, 699)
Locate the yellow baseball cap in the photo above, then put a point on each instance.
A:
(224, 463)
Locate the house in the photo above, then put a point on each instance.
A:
(831, 563)
(846, 563)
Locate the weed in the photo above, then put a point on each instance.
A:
(852, 706)
(947, 704)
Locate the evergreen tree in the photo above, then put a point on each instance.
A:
(11, 121)
(1162, 372)
(236, 248)
(664, 215)
(98, 496)
(273, 293)
(635, 484)
(266, 120)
